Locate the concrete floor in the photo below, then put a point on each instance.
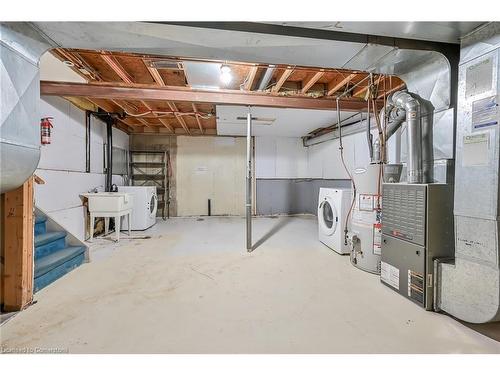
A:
(191, 288)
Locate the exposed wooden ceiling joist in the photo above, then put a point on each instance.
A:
(337, 84)
(182, 94)
(251, 78)
(312, 81)
(163, 121)
(179, 118)
(282, 80)
(154, 74)
(117, 68)
(390, 91)
(360, 91)
(197, 118)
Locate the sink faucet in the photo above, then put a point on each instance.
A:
(96, 189)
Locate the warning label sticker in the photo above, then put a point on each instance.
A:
(484, 113)
(389, 274)
(377, 239)
(366, 202)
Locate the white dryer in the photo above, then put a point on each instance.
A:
(145, 206)
(333, 207)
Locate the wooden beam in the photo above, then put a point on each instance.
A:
(336, 84)
(117, 68)
(312, 81)
(17, 221)
(181, 121)
(185, 94)
(251, 78)
(282, 80)
(197, 119)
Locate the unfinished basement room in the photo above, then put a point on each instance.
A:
(206, 187)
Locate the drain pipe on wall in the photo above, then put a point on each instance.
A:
(109, 153)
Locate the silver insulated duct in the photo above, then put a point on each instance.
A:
(468, 287)
(20, 49)
(411, 106)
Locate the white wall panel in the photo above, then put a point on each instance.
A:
(286, 157)
(314, 162)
(291, 158)
(265, 157)
(62, 163)
(210, 168)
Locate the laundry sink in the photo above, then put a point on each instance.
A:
(109, 201)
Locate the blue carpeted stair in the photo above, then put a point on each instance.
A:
(53, 258)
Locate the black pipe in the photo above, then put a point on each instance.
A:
(209, 208)
(109, 153)
(87, 140)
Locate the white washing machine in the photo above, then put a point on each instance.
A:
(145, 206)
(333, 207)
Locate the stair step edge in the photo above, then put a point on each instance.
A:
(48, 237)
(49, 262)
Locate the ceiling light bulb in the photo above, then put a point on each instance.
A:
(225, 74)
(226, 78)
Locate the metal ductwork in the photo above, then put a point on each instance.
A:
(411, 106)
(20, 49)
(266, 78)
(468, 286)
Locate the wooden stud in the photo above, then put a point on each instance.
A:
(336, 84)
(251, 78)
(18, 244)
(282, 80)
(312, 81)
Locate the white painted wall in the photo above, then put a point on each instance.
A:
(62, 163)
(210, 168)
(284, 157)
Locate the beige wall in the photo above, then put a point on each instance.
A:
(210, 168)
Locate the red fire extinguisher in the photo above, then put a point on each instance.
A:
(45, 125)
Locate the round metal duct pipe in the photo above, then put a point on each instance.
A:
(411, 106)
(20, 47)
(17, 163)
